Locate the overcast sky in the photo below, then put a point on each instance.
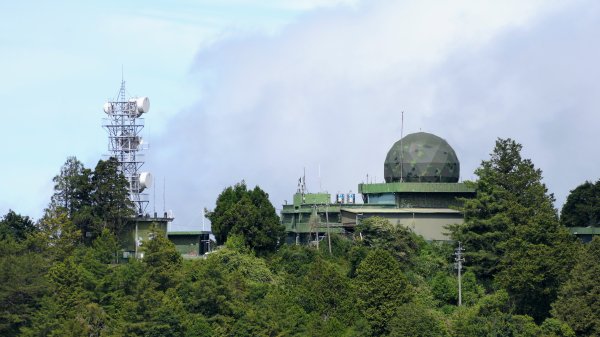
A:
(260, 90)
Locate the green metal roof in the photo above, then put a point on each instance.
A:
(305, 227)
(382, 210)
(415, 188)
(585, 230)
(311, 199)
(333, 208)
(187, 233)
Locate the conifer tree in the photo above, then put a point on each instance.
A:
(511, 232)
(582, 207)
(578, 303)
(381, 288)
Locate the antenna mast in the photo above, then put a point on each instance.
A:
(401, 148)
(124, 125)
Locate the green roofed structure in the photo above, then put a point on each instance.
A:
(421, 192)
(191, 244)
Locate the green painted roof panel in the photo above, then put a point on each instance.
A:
(585, 230)
(414, 188)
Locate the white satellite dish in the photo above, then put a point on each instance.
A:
(142, 104)
(145, 180)
(108, 108)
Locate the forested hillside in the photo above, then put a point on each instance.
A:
(525, 275)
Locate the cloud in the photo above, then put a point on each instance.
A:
(328, 92)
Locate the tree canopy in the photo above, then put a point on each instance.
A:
(582, 207)
(56, 281)
(93, 200)
(577, 303)
(511, 232)
(248, 213)
(16, 226)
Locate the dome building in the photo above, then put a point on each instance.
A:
(421, 157)
(421, 192)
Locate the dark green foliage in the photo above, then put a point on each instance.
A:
(92, 200)
(55, 281)
(445, 288)
(355, 256)
(432, 258)
(381, 288)
(72, 187)
(511, 232)
(492, 316)
(509, 192)
(162, 260)
(248, 213)
(16, 226)
(416, 321)
(56, 237)
(22, 285)
(555, 328)
(111, 205)
(533, 272)
(578, 303)
(325, 291)
(582, 207)
(294, 260)
(378, 232)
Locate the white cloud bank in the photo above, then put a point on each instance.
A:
(329, 91)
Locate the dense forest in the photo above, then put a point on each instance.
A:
(524, 275)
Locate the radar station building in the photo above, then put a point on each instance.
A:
(421, 192)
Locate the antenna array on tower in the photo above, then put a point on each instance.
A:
(124, 125)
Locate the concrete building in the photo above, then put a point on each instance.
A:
(421, 192)
(191, 244)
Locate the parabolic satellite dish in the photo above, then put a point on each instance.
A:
(142, 104)
(145, 180)
(108, 108)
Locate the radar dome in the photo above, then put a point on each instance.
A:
(421, 157)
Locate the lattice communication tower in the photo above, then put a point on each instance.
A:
(124, 125)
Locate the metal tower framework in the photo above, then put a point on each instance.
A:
(124, 126)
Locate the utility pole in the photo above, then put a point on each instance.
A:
(316, 223)
(459, 259)
(328, 230)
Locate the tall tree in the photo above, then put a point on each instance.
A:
(110, 196)
(582, 207)
(22, 285)
(381, 289)
(577, 303)
(72, 187)
(162, 259)
(509, 190)
(92, 200)
(248, 213)
(511, 231)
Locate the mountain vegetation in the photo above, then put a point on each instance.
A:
(525, 275)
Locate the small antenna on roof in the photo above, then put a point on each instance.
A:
(320, 188)
(401, 148)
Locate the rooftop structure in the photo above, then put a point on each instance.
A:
(124, 124)
(421, 157)
(421, 192)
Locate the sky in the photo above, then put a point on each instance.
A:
(263, 91)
